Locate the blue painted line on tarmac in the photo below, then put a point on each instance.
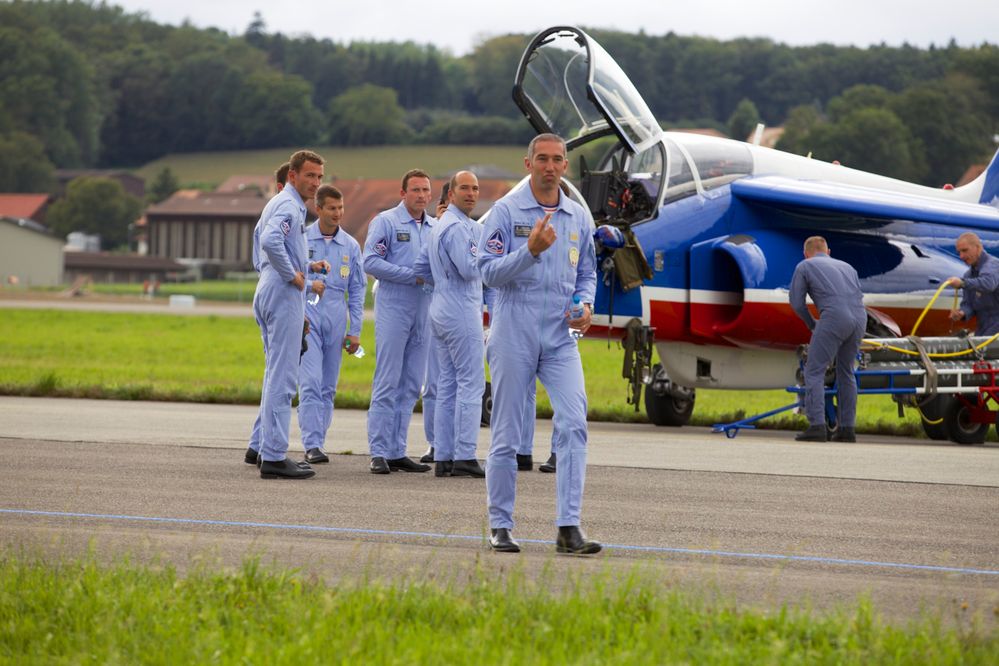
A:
(465, 537)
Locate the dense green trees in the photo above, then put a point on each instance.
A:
(100, 87)
(95, 206)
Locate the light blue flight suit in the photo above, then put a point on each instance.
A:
(393, 244)
(328, 324)
(430, 382)
(530, 338)
(981, 294)
(279, 308)
(835, 290)
(256, 257)
(456, 322)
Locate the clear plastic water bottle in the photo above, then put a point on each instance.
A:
(314, 298)
(358, 353)
(575, 312)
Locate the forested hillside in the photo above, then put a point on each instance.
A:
(84, 84)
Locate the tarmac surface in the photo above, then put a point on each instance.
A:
(758, 520)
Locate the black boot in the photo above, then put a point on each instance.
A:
(379, 466)
(845, 435)
(443, 467)
(548, 467)
(815, 433)
(571, 540)
(428, 457)
(525, 463)
(502, 541)
(468, 468)
(285, 469)
(251, 457)
(405, 464)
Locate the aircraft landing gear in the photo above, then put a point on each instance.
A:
(667, 404)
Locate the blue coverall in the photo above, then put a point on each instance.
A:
(328, 324)
(279, 308)
(529, 338)
(256, 257)
(835, 290)
(981, 294)
(393, 244)
(430, 382)
(456, 322)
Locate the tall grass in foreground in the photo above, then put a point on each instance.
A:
(80, 612)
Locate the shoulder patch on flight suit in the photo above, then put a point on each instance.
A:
(494, 245)
(473, 248)
(285, 227)
(522, 230)
(402, 236)
(380, 248)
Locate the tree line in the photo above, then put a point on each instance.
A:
(87, 84)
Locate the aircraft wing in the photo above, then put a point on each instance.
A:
(863, 202)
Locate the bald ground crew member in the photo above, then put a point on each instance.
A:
(980, 284)
(835, 289)
(537, 252)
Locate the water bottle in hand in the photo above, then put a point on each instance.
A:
(314, 298)
(358, 353)
(575, 312)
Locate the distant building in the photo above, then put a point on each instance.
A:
(25, 206)
(30, 254)
(134, 185)
(103, 267)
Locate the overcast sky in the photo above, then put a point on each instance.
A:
(458, 26)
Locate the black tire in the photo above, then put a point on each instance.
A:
(487, 406)
(933, 409)
(960, 427)
(665, 410)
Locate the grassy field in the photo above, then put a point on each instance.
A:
(369, 162)
(219, 359)
(79, 612)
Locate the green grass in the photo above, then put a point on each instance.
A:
(234, 290)
(80, 612)
(369, 162)
(219, 359)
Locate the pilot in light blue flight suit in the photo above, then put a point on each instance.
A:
(252, 456)
(456, 321)
(279, 308)
(340, 292)
(395, 238)
(980, 283)
(835, 289)
(537, 251)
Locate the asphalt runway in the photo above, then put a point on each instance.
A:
(758, 520)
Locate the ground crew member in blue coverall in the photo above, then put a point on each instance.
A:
(252, 456)
(330, 298)
(980, 283)
(537, 251)
(395, 238)
(835, 290)
(456, 322)
(279, 308)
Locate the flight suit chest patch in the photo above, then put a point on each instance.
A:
(402, 236)
(521, 230)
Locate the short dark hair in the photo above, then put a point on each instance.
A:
(299, 158)
(546, 136)
(326, 192)
(281, 175)
(413, 173)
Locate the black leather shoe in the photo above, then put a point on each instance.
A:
(549, 466)
(405, 464)
(845, 435)
(428, 457)
(285, 469)
(572, 541)
(468, 468)
(813, 434)
(379, 466)
(502, 541)
(525, 463)
(251, 457)
(316, 456)
(443, 468)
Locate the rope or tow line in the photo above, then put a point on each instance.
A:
(909, 352)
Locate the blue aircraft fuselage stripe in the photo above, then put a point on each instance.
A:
(465, 537)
